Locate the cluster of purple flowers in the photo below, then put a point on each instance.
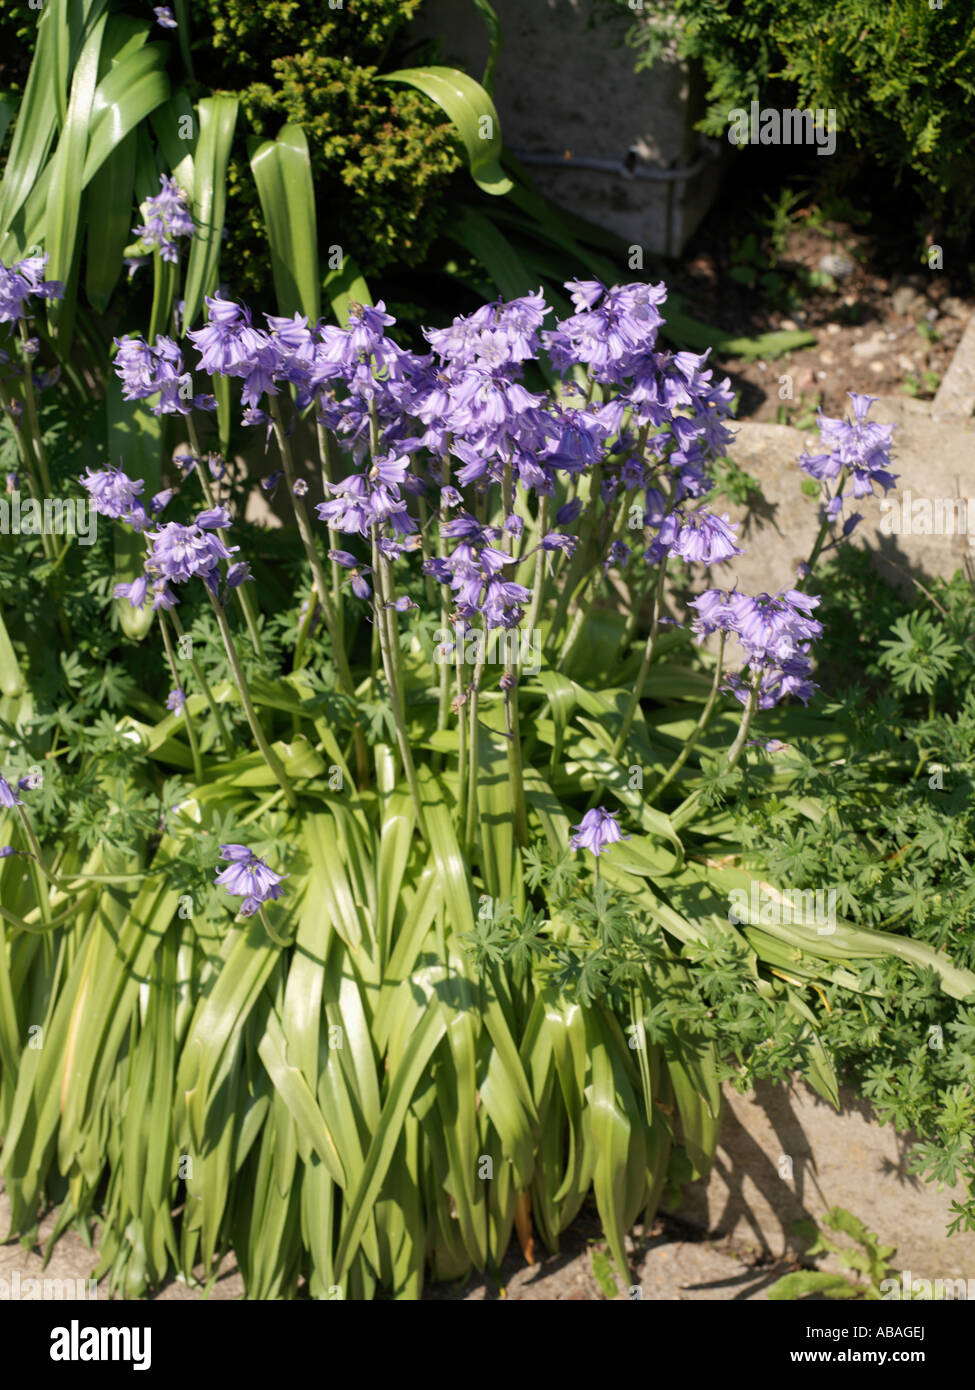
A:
(775, 631)
(116, 495)
(167, 217)
(147, 371)
(178, 553)
(859, 448)
(647, 423)
(21, 281)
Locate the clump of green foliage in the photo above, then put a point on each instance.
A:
(891, 824)
(867, 1260)
(381, 154)
(899, 74)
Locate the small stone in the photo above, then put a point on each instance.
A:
(838, 265)
(877, 342)
(954, 306)
(905, 300)
(832, 328)
(876, 368)
(905, 363)
(827, 358)
(789, 325)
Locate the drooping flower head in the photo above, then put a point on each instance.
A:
(145, 371)
(8, 797)
(775, 631)
(179, 553)
(115, 494)
(597, 830)
(167, 216)
(22, 280)
(861, 447)
(249, 877)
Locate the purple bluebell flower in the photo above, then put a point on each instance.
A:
(238, 574)
(557, 540)
(300, 488)
(705, 539)
(178, 553)
(359, 585)
(775, 631)
(164, 17)
(22, 280)
(567, 514)
(597, 830)
(860, 446)
(135, 592)
(167, 214)
(175, 700)
(113, 493)
(248, 877)
(8, 797)
(216, 519)
(610, 330)
(147, 371)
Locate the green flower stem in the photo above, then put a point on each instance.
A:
(25, 453)
(320, 581)
(821, 537)
(38, 856)
(32, 415)
(588, 596)
(699, 728)
(688, 808)
(204, 685)
(267, 752)
(38, 929)
(445, 624)
(428, 580)
(577, 566)
(461, 736)
(473, 754)
(385, 616)
(187, 719)
(278, 940)
(511, 716)
(641, 679)
(244, 597)
(536, 601)
(304, 631)
(637, 591)
(326, 455)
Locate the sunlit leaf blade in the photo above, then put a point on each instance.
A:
(282, 172)
(109, 206)
(473, 113)
(217, 119)
(344, 286)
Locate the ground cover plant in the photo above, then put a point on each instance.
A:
(368, 901)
